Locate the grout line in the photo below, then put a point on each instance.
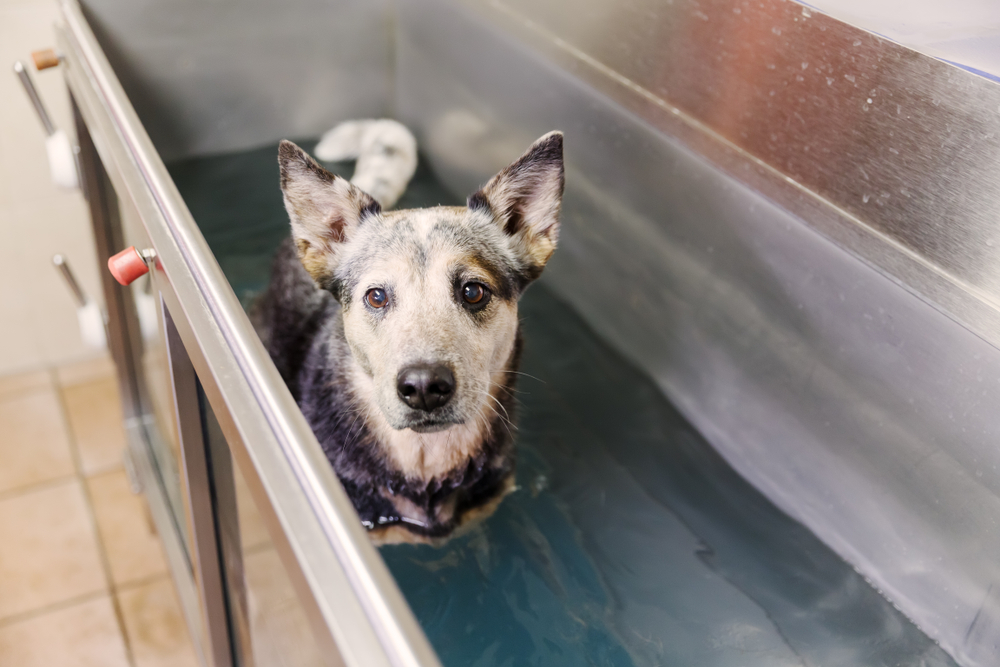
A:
(55, 606)
(260, 547)
(132, 584)
(95, 528)
(103, 470)
(79, 360)
(39, 370)
(35, 487)
(96, 378)
(9, 395)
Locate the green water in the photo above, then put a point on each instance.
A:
(629, 540)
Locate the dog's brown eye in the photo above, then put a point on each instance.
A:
(376, 298)
(473, 293)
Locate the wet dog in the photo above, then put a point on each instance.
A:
(398, 335)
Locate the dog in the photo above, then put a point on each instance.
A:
(397, 333)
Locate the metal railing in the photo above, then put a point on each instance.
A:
(352, 596)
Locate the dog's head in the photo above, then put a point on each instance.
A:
(429, 296)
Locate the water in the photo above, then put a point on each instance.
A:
(629, 540)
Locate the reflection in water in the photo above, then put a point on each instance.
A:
(629, 540)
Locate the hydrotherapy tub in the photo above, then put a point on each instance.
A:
(742, 446)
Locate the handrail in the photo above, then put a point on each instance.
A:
(244, 374)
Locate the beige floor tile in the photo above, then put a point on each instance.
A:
(34, 445)
(279, 628)
(84, 635)
(155, 626)
(132, 547)
(95, 418)
(253, 532)
(48, 553)
(99, 368)
(12, 386)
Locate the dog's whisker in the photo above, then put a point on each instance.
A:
(506, 422)
(508, 389)
(520, 373)
(497, 401)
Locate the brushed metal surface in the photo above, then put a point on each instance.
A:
(964, 32)
(829, 368)
(907, 144)
(209, 77)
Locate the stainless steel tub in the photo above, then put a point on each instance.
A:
(788, 223)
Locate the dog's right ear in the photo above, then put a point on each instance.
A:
(323, 209)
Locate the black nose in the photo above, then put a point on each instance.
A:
(425, 386)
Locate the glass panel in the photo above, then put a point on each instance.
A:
(279, 628)
(155, 393)
(267, 619)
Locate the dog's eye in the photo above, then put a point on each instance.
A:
(376, 297)
(474, 293)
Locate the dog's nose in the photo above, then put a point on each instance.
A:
(425, 386)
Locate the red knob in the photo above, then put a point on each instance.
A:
(127, 265)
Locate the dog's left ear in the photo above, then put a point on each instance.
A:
(323, 208)
(525, 198)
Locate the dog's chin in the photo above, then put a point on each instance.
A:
(431, 427)
(423, 422)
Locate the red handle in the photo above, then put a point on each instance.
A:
(127, 265)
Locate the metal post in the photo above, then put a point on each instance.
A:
(208, 479)
(228, 535)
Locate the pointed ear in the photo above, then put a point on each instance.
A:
(323, 209)
(525, 199)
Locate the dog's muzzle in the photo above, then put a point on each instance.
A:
(425, 386)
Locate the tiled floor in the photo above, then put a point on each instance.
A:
(83, 579)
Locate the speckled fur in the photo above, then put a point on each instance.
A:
(340, 357)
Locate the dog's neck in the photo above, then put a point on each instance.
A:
(428, 456)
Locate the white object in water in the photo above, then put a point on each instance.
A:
(386, 153)
(62, 160)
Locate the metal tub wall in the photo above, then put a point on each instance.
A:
(863, 407)
(220, 76)
(716, 231)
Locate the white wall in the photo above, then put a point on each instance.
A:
(966, 32)
(38, 325)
